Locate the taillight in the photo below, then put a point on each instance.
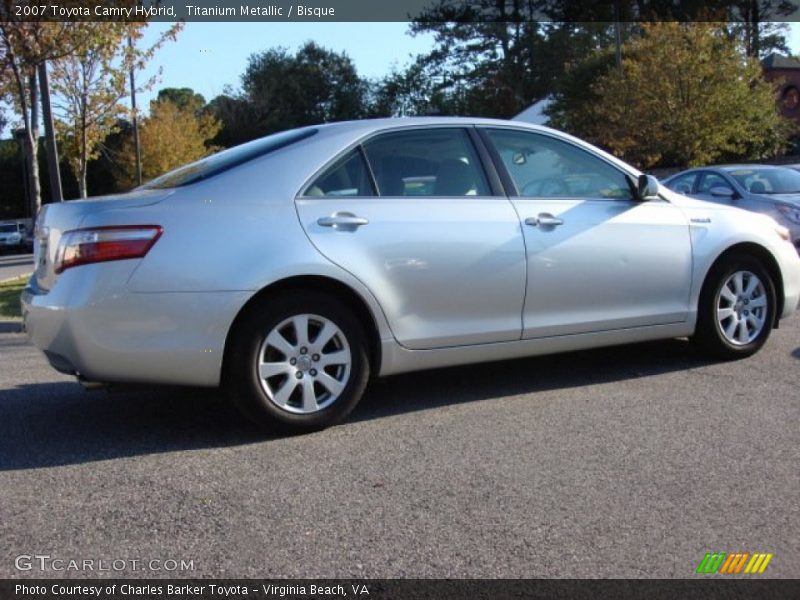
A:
(101, 244)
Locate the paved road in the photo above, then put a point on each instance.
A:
(626, 462)
(14, 265)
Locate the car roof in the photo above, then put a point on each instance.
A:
(365, 125)
(729, 168)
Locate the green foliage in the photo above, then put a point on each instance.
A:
(498, 66)
(10, 291)
(89, 85)
(407, 93)
(315, 85)
(496, 58)
(171, 136)
(570, 109)
(685, 95)
(183, 98)
(237, 116)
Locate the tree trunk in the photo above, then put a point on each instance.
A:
(33, 146)
(82, 179)
(83, 152)
(756, 29)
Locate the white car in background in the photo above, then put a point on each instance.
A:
(12, 237)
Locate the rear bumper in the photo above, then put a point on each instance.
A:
(87, 326)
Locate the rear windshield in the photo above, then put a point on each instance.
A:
(227, 159)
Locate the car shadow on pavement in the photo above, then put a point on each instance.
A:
(454, 385)
(51, 424)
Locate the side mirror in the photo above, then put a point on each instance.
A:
(646, 187)
(722, 192)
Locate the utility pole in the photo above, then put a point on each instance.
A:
(135, 120)
(56, 194)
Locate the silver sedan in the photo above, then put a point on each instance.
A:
(293, 268)
(766, 189)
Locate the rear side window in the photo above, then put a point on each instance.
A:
(227, 159)
(426, 162)
(544, 167)
(346, 177)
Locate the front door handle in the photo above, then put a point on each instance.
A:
(342, 221)
(544, 220)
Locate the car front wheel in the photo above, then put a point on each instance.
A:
(737, 308)
(297, 363)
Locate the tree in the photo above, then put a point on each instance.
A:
(753, 23)
(685, 95)
(24, 46)
(410, 92)
(91, 83)
(574, 92)
(315, 85)
(237, 116)
(183, 98)
(170, 137)
(496, 58)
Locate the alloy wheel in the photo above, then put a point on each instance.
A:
(304, 364)
(741, 308)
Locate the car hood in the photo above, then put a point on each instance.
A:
(793, 199)
(689, 202)
(700, 209)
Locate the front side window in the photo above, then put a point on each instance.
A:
(712, 180)
(683, 184)
(544, 167)
(348, 176)
(426, 162)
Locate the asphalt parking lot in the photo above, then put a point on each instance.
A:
(624, 462)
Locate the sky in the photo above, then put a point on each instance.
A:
(208, 56)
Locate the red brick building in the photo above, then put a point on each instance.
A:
(786, 70)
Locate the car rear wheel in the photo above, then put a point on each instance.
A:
(297, 363)
(737, 308)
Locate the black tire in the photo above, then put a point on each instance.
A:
(709, 334)
(249, 392)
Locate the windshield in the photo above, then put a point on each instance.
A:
(8, 228)
(227, 159)
(768, 181)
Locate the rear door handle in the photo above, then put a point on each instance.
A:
(544, 220)
(343, 221)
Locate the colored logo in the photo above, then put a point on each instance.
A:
(734, 563)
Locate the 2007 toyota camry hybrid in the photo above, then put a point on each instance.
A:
(291, 268)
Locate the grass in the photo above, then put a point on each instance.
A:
(9, 297)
